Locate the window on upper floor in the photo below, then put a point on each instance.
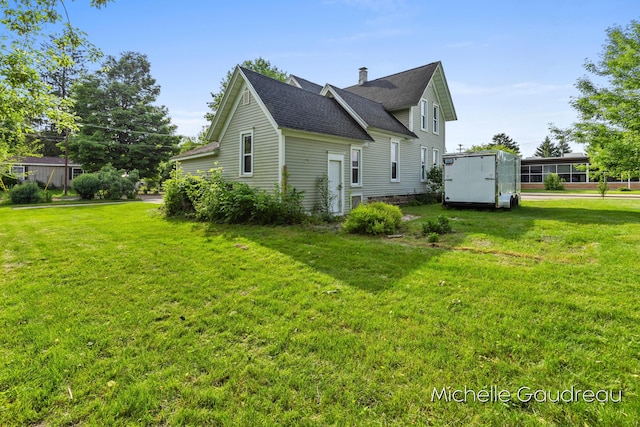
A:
(395, 158)
(356, 167)
(246, 153)
(436, 119)
(423, 114)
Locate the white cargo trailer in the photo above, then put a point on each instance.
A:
(482, 179)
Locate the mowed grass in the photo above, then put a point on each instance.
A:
(114, 315)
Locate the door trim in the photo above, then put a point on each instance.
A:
(337, 158)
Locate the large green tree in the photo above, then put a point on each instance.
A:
(609, 119)
(259, 65)
(499, 141)
(503, 140)
(24, 95)
(546, 149)
(119, 121)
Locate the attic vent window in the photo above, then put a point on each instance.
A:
(245, 97)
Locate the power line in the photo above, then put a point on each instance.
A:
(127, 130)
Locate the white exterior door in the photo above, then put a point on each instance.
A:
(335, 173)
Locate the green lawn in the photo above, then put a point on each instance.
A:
(113, 315)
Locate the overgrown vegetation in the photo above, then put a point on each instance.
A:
(214, 199)
(108, 183)
(326, 199)
(213, 324)
(553, 182)
(374, 218)
(440, 225)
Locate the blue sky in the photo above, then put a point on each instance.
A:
(511, 65)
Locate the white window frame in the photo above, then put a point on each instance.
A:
(424, 163)
(352, 197)
(436, 158)
(436, 119)
(243, 172)
(76, 172)
(424, 114)
(394, 143)
(246, 97)
(20, 175)
(359, 150)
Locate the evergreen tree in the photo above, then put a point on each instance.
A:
(503, 140)
(547, 149)
(119, 123)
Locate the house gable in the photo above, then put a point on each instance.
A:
(403, 90)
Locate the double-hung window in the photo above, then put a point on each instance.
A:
(424, 167)
(423, 115)
(436, 158)
(395, 159)
(356, 167)
(246, 154)
(436, 119)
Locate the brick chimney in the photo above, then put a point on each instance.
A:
(362, 77)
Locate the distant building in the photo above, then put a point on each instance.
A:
(573, 168)
(49, 170)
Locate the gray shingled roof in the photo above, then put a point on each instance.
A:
(373, 113)
(307, 85)
(299, 109)
(397, 91)
(205, 149)
(41, 161)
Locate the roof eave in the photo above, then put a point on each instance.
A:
(196, 156)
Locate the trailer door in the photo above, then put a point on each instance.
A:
(471, 180)
(482, 179)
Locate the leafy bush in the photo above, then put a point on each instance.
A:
(435, 179)
(108, 183)
(553, 182)
(440, 225)
(28, 192)
(9, 180)
(374, 218)
(433, 237)
(180, 192)
(212, 198)
(86, 185)
(114, 184)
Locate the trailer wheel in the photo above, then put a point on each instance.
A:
(511, 203)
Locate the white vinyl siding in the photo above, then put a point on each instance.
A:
(356, 167)
(246, 153)
(197, 165)
(424, 107)
(395, 161)
(306, 161)
(249, 118)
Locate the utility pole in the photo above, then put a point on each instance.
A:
(66, 160)
(459, 148)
